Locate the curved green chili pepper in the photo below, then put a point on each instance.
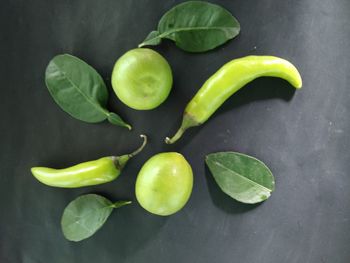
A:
(95, 172)
(229, 79)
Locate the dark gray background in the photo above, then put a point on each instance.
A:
(302, 136)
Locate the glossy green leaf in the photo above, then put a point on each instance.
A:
(240, 176)
(78, 89)
(85, 215)
(195, 26)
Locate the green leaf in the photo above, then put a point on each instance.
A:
(195, 26)
(78, 89)
(240, 176)
(85, 215)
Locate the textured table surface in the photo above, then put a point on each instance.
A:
(302, 136)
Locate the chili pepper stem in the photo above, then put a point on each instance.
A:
(120, 161)
(187, 122)
(140, 148)
(177, 136)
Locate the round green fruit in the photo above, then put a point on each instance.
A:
(142, 79)
(164, 183)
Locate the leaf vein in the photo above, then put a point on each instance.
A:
(95, 105)
(166, 33)
(245, 178)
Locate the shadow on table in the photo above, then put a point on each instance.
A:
(259, 89)
(129, 229)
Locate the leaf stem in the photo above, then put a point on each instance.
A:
(180, 29)
(147, 42)
(120, 204)
(128, 126)
(117, 120)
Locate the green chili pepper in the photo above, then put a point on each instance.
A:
(229, 79)
(95, 172)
